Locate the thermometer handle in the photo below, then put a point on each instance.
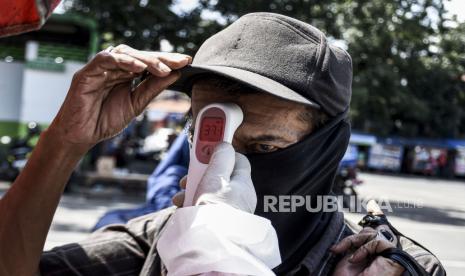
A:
(193, 177)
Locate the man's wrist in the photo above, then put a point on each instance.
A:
(53, 141)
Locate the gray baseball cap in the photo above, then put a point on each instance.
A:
(279, 55)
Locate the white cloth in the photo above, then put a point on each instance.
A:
(218, 238)
(220, 234)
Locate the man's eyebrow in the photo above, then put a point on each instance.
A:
(267, 138)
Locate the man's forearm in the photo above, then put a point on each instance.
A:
(100, 103)
(27, 209)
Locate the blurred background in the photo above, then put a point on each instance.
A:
(407, 109)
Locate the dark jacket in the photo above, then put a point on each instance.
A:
(131, 250)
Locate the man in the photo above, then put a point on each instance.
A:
(294, 89)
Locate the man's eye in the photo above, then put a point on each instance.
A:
(262, 148)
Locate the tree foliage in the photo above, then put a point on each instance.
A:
(408, 59)
(144, 24)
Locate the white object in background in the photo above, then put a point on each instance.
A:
(32, 50)
(106, 165)
(215, 123)
(158, 141)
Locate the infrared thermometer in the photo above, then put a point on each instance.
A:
(215, 123)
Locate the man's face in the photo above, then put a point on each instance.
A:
(270, 123)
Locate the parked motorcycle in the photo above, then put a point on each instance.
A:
(344, 185)
(16, 152)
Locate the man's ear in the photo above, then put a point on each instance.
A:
(189, 125)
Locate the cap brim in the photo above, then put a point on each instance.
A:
(254, 80)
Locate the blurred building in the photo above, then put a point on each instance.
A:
(36, 69)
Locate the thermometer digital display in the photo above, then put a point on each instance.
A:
(212, 129)
(215, 123)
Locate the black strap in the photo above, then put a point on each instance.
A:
(374, 221)
(404, 259)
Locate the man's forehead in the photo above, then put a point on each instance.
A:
(266, 117)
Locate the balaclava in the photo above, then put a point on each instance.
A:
(306, 168)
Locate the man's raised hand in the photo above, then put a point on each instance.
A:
(100, 101)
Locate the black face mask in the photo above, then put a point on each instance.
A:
(305, 168)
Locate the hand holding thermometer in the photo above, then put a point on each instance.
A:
(215, 123)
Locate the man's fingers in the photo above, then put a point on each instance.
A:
(104, 81)
(178, 199)
(183, 182)
(105, 61)
(352, 242)
(159, 64)
(149, 89)
(371, 248)
(128, 63)
(175, 60)
(383, 266)
(115, 77)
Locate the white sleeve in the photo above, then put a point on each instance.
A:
(218, 238)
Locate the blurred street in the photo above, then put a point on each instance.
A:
(437, 221)
(439, 224)
(77, 214)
